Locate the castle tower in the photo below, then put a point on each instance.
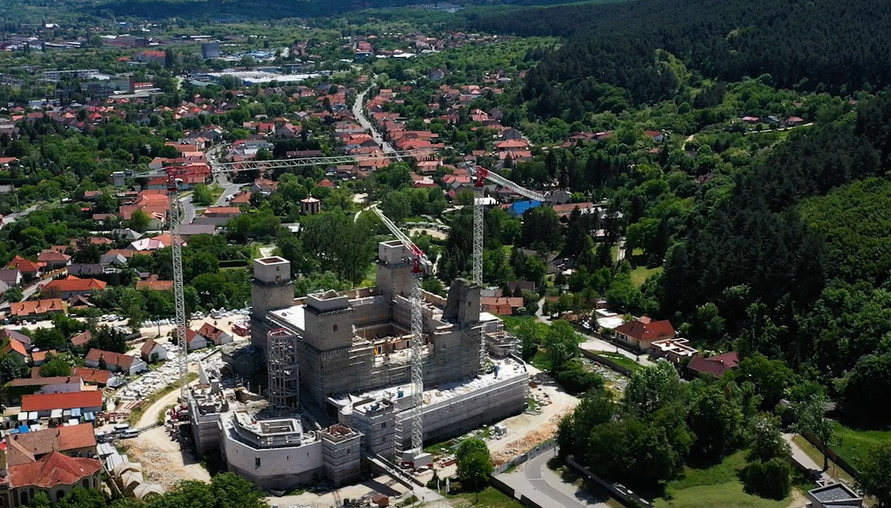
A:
(394, 275)
(271, 289)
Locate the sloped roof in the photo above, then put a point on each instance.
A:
(24, 265)
(91, 375)
(82, 339)
(23, 448)
(645, 330)
(42, 381)
(715, 365)
(71, 284)
(110, 358)
(148, 347)
(53, 469)
(42, 306)
(48, 401)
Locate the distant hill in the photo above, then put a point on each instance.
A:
(810, 45)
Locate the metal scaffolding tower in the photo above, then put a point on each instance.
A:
(282, 367)
(420, 266)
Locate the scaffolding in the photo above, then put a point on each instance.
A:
(281, 361)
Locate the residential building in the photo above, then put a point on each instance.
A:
(71, 285)
(9, 277)
(14, 347)
(194, 340)
(715, 366)
(115, 362)
(29, 269)
(503, 306)
(82, 339)
(45, 403)
(25, 448)
(213, 334)
(152, 352)
(55, 474)
(37, 308)
(55, 384)
(641, 332)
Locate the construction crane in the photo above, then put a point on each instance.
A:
(420, 265)
(173, 184)
(482, 174)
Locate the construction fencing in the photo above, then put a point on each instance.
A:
(550, 444)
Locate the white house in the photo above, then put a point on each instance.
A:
(152, 352)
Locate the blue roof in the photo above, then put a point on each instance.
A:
(520, 207)
(23, 429)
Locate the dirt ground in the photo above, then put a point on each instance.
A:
(162, 460)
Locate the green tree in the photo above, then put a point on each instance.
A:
(875, 473)
(81, 497)
(651, 388)
(811, 419)
(13, 294)
(56, 365)
(139, 221)
(474, 464)
(201, 195)
(561, 343)
(12, 367)
(771, 479)
(765, 440)
(770, 377)
(233, 491)
(714, 419)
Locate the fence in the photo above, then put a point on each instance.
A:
(834, 457)
(617, 491)
(538, 450)
(606, 361)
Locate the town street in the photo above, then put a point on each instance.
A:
(358, 112)
(544, 487)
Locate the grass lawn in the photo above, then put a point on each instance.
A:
(815, 455)
(489, 498)
(620, 359)
(713, 486)
(640, 274)
(853, 445)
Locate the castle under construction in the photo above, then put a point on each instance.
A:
(339, 376)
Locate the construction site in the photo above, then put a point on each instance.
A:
(360, 377)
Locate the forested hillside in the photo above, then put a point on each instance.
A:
(819, 45)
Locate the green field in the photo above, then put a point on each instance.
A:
(488, 498)
(640, 274)
(853, 445)
(619, 359)
(713, 486)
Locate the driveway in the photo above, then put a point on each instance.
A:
(539, 484)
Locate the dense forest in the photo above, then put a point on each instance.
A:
(646, 48)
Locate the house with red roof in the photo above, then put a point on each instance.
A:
(53, 260)
(501, 305)
(115, 362)
(195, 340)
(715, 366)
(55, 474)
(213, 334)
(152, 352)
(37, 308)
(44, 403)
(71, 285)
(14, 347)
(641, 332)
(29, 269)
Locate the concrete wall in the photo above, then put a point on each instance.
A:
(463, 413)
(279, 468)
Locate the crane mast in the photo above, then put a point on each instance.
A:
(173, 184)
(482, 174)
(420, 266)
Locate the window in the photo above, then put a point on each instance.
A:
(257, 463)
(383, 425)
(335, 328)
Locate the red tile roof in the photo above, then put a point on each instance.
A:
(53, 469)
(91, 375)
(110, 358)
(82, 339)
(210, 332)
(646, 330)
(49, 401)
(714, 365)
(13, 345)
(49, 256)
(43, 381)
(26, 448)
(75, 284)
(35, 307)
(24, 265)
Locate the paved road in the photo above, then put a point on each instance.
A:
(799, 456)
(545, 487)
(222, 179)
(358, 107)
(9, 219)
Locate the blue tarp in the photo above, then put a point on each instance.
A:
(23, 429)
(518, 208)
